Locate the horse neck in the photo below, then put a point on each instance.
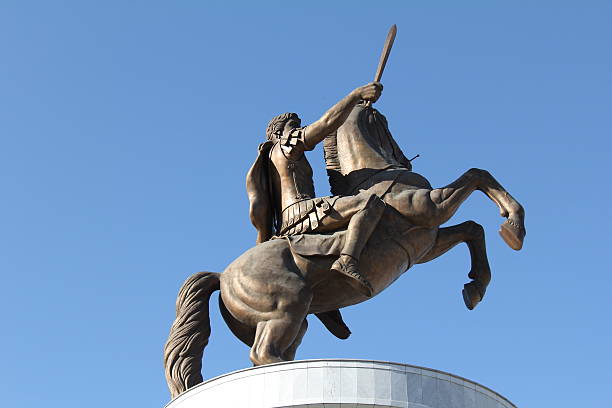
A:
(362, 144)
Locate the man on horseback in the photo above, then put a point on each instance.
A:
(281, 189)
(266, 294)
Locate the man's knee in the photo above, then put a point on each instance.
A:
(347, 207)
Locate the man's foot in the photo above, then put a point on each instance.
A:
(513, 232)
(347, 265)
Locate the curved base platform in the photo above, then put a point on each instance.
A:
(339, 384)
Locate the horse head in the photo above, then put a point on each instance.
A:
(361, 147)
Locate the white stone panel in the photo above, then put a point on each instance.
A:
(339, 384)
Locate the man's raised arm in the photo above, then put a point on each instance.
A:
(337, 114)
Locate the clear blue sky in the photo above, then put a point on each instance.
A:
(127, 128)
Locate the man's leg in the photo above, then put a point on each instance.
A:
(360, 214)
(362, 225)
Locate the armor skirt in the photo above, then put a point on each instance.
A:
(304, 216)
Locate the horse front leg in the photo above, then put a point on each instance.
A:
(430, 208)
(513, 229)
(472, 234)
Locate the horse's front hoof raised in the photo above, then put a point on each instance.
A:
(471, 295)
(512, 234)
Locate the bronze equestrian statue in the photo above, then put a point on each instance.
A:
(282, 195)
(293, 271)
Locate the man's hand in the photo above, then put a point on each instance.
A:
(370, 92)
(337, 114)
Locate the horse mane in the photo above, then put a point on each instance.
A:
(376, 142)
(332, 164)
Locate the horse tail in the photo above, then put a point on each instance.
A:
(189, 333)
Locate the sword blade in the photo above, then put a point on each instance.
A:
(385, 53)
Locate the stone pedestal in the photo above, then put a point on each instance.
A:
(339, 384)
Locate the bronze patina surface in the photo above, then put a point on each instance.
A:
(315, 255)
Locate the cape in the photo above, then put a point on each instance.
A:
(261, 204)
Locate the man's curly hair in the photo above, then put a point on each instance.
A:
(276, 125)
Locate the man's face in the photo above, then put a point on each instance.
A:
(290, 125)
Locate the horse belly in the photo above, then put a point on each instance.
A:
(387, 256)
(384, 259)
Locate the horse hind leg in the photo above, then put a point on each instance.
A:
(289, 354)
(277, 340)
(243, 332)
(472, 234)
(278, 337)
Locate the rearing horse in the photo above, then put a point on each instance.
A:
(268, 291)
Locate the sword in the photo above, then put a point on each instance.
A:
(385, 55)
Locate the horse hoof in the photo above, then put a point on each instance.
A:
(512, 234)
(471, 295)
